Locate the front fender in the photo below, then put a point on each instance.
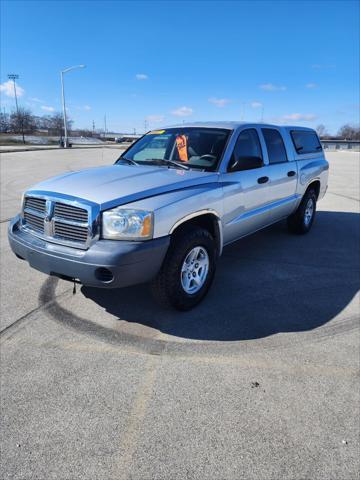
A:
(173, 208)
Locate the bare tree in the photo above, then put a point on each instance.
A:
(83, 132)
(42, 123)
(55, 124)
(349, 132)
(321, 131)
(4, 122)
(22, 121)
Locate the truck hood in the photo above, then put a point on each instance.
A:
(121, 184)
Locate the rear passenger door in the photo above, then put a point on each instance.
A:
(282, 173)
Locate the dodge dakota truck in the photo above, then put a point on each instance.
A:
(170, 203)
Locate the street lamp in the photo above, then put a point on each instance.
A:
(14, 77)
(63, 99)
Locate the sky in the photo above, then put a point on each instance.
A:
(155, 63)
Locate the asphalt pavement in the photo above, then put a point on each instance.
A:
(261, 381)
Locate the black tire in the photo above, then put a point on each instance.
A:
(167, 286)
(299, 221)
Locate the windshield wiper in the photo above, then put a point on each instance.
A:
(129, 160)
(168, 162)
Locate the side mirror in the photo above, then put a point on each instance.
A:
(245, 163)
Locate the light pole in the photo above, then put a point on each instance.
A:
(13, 77)
(63, 99)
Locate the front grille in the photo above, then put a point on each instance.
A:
(35, 203)
(69, 212)
(34, 222)
(75, 233)
(63, 222)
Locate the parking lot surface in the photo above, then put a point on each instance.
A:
(261, 381)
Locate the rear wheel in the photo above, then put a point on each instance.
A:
(188, 269)
(301, 221)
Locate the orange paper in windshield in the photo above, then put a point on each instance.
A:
(181, 143)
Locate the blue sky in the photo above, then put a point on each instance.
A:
(290, 61)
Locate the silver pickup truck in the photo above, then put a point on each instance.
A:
(167, 207)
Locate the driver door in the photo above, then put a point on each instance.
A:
(245, 188)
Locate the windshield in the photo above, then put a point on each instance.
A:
(191, 147)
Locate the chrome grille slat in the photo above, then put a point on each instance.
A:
(77, 234)
(77, 223)
(35, 212)
(67, 228)
(34, 203)
(80, 218)
(60, 214)
(70, 212)
(34, 222)
(70, 236)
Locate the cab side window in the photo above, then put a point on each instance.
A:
(305, 141)
(275, 146)
(247, 153)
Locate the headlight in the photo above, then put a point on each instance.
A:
(125, 224)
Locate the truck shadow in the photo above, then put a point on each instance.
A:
(266, 283)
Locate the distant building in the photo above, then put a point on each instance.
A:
(341, 144)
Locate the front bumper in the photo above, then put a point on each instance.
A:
(107, 263)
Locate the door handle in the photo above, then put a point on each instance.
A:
(263, 179)
(291, 173)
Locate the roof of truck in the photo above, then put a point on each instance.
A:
(234, 125)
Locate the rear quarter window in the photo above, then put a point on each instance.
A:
(305, 141)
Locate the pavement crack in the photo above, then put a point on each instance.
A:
(9, 328)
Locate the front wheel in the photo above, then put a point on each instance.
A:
(188, 269)
(301, 221)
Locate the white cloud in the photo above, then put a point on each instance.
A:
(87, 108)
(219, 102)
(35, 99)
(8, 89)
(141, 76)
(256, 104)
(307, 117)
(311, 85)
(155, 118)
(270, 87)
(182, 112)
(47, 109)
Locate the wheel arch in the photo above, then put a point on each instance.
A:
(208, 219)
(314, 185)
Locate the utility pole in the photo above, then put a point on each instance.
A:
(66, 141)
(105, 126)
(14, 77)
(64, 110)
(145, 125)
(93, 128)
